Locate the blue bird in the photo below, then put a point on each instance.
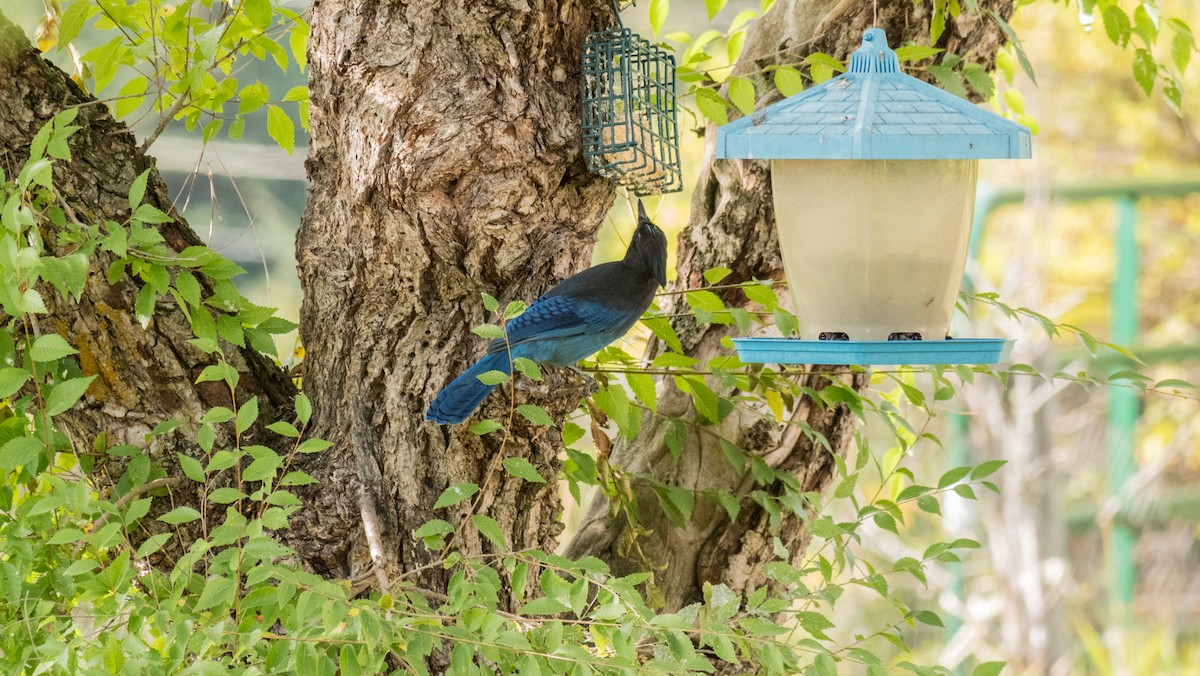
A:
(571, 321)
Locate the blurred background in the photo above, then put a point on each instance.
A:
(1091, 558)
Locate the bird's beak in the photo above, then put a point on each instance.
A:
(642, 212)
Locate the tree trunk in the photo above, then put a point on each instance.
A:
(146, 374)
(445, 163)
(732, 225)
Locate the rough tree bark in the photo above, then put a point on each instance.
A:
(445, 162)
(732, 225)
(146, 375)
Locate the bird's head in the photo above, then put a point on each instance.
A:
(648, 249)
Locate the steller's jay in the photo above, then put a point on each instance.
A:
(573, 320)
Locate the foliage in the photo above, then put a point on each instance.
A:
(89, 588)
(1162, 49)
(183, 59)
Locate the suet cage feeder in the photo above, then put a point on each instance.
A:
(874, 175)
(630, 133)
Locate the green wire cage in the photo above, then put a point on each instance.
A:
(630, 133)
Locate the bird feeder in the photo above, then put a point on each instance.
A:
(873, 174)
(629, 120)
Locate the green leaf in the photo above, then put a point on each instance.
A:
(1144, 26)
(137, 190)
(226, 495)
(513, 309)
(313, 446)
(663, 330)
(455, 494)
(916, 52)
(928, 503)
(285, 429)
(523, 469)
(145, 302)
(179, 515)
(714, 275)
(297, 93)
(949, 79)
(489, 302)
(703, 300)
(19, 452)
(66, 536)
(980, 80)
(72, 22)
(989, 669)
(643, 387)
(11, 380)
(433, 527)
(1116, 24)
(788, 81)
(191, 467)
(217, 415)
(986, 469)
(303, 408)
(928, 617)
(713, 7)
(488, 528)
(571, 433)
(489, 331)
(218, 589)
(50, 347)
(543, 606)
(741, 94)
(281, 129)
(886, 522)
(262, 468)
(676, 436)
(247, 415)
(153, 544)
(1016, 43)
(1145, 70)
(297, 478)
(348, 664)
(658, 14)
(148, 213)
(65, 394)
(536, 415)
(953, 476)
(677, 504)
(486, 426)
(492, 377)
(711, 106)
(1181, 50)
(259, 13)
(529, 368)
(846, 488)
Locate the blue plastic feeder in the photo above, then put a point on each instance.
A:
(874, 175)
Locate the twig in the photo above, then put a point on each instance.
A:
(165, 482)
(374, 542)
(162, 123)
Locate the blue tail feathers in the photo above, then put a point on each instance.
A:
(458, 400)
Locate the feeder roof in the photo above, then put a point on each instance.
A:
(873, 112)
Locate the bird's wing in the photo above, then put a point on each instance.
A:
(560, 316)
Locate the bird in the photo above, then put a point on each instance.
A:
(573, 320)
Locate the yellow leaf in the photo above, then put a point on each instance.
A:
(47, 31)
